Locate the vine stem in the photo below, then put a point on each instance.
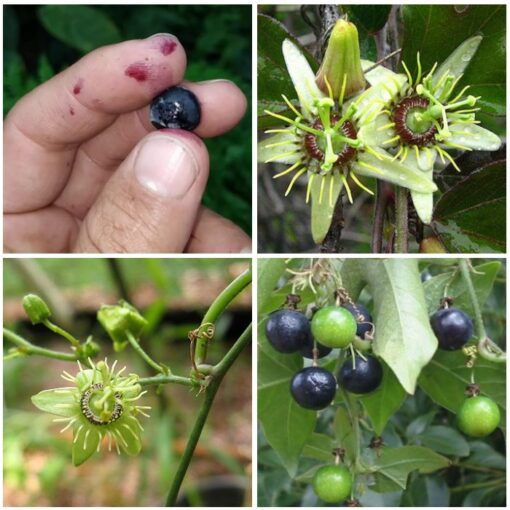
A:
(29, 348)
(486, 347)
(166, 379)
(217, 307)
(219, 372)
(138, 348)
(401, 224)
(61, 332)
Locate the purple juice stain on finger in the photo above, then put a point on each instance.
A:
(78, 86)
(167, 46)
(138, 70)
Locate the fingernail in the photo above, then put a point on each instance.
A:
(165, 167)
(219, 80)
(162, 34)
(246, 249)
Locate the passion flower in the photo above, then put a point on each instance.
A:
(324, 139)
(428, 118)
(101, 404)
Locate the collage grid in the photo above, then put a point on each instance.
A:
(310, 298)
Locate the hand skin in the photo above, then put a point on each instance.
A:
(85, 171)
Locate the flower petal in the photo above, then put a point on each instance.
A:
(474, 137)
(423, 202)
(373, 100)
(129, 429)
(371, 134)
(270, 150)
(322, 210)
(394, 172)
(456, 63)
(302, 77)
(60, 401)
(86, 439)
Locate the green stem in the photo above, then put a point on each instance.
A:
(401, 226)
(61, 332)
(210, 392)
(479, 485)
(216, 309)
(28, 348)
(486, 347)
(168, 379)
(136, 346)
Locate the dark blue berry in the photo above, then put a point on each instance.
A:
(307, 350)
(175, 108)
(425, 276)
(361, 376)
(288, 330)
(313, 388)
(452, 327)
(363, 318)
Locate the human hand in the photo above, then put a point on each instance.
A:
(84, 170)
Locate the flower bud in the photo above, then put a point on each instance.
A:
(342, 62)
(36, 309)
(120, 319)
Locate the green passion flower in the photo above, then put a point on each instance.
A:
(324, 138)
(427, 117)
(101, 404)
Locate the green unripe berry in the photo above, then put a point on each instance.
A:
(332, 484)
(478, 416)
(334, 326)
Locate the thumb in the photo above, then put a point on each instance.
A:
(150, 203)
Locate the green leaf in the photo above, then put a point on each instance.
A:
(322, 210)
(436, 30)
(286, 425)
(483, 278)
(470, 216)
(81, 27)
(426, 491)
(371, 17)
(269, 272)
(384, 401)
(393, 466)
(444, 440)
(403, 336)
(345, 437)
(445, 378)
(319, 447)
(272, 77)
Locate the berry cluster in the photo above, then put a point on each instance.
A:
(478, 416)
(332, 327)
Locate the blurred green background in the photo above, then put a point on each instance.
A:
(40, 41)
(173, 295)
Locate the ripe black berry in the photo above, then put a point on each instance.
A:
(363, 318)
(452, 327)
(363, 377)
(307, 350)
(175, 108)
(313, 388)
(288, 330)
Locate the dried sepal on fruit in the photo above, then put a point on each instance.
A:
(101, 404)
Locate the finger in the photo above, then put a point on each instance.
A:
(98, 157)
(151, 202)
(48, 230)
(44, 128)
(214, 234)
